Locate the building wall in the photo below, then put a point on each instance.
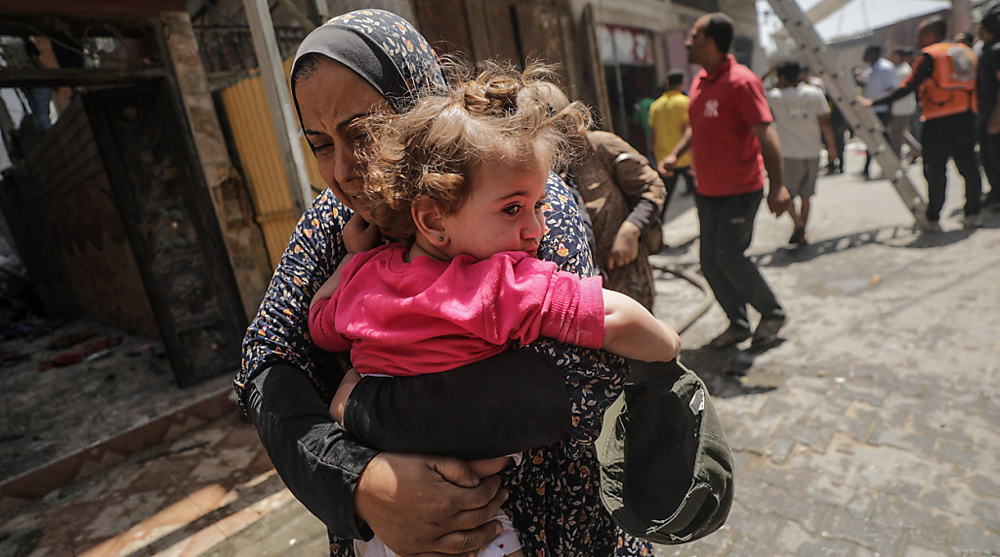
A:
(243, 238)
(663, 25)
(663, 18)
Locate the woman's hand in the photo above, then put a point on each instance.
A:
(625, 248)
(430, 506)
(360, 235)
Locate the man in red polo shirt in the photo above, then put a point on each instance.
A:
(733, 143)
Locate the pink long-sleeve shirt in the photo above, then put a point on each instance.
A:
(426, 316)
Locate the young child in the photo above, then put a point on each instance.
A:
(460, 180)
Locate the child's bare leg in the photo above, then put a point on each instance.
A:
(484, 469)
(339, 401)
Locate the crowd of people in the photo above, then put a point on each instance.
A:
(957, 96)
(448, 259)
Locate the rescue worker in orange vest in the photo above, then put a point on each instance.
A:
(945, 77)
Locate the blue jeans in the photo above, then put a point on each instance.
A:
(38, 101)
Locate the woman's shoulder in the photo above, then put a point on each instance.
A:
(565, 240)
(325, 212)
(609, 141)
(612, 146)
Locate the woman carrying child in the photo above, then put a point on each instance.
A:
(361, 62)
(460, 181)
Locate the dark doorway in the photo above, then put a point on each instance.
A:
(168, 217)
(627, 83)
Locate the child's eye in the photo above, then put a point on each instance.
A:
(539, 205)
(512, 210)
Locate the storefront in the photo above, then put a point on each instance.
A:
(627, 55)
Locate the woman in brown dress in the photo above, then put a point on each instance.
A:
(624, 196)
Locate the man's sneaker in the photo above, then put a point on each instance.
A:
(933, 227)
(971, 221)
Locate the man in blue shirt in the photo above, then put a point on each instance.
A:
(879, 78)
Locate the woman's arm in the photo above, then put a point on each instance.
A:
(282, 387)
(643, 190)
(382, 411)
(638, 181)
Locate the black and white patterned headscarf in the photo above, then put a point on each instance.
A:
(381, 47)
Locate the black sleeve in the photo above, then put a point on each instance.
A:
(643, 213)
(318, 461)
(923, 67)
(478, 406)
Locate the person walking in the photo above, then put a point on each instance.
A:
(800, 113)
(732, 143)
(668, 118)
(623, 196)
(987, 89)
(878, 78)
(840, 127)
(945, 76)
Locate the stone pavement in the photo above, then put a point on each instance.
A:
(872, 429)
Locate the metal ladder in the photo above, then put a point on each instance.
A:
(843, 91)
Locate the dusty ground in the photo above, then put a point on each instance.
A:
(45, 415)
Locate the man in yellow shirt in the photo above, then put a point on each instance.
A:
(668, 117)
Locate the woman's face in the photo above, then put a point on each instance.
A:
(331, 103)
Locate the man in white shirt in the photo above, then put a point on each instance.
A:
(879, 78)
(800, 111)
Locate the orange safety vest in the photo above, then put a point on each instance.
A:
(951, 88)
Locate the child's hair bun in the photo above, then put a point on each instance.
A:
(493, 93)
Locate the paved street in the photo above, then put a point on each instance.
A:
(875, 428)
(872, 429)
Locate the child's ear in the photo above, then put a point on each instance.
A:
(428, 220)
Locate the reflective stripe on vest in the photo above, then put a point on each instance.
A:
(951, 88)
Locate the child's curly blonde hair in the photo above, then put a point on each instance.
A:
(503, 116)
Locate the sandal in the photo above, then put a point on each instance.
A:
(730, 337)
(798, 237)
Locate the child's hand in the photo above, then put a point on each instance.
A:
(339, 402)
(359, 235)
